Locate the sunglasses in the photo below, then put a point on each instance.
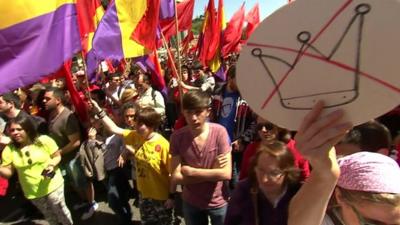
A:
(28, 155)
(268, 126)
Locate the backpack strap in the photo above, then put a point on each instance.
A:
(153, 96)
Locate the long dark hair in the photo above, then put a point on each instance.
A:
(27, 125)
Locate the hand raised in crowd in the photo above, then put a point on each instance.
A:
(94, 106)
(318, 134)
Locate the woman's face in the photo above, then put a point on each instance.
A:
(18, 134)
(185, 75)
(270, 177)
(366, 212)
(267, 131)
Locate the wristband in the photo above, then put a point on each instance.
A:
(101, 114)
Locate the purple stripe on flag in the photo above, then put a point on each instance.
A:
(167, 9)
(107, 42)
(141, 62)
(221, 73)
(35, 48)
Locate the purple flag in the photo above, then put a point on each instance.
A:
(36, 47)
(167, 9)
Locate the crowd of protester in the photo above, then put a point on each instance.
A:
(194, 153)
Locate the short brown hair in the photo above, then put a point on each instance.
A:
(149, 117)
(196, 99)
(285, 158)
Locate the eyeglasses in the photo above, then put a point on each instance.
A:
(268, 126)
(273, 175)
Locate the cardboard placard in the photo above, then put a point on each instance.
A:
(344, 52)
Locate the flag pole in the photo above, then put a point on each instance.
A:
(174, 71)
(86, 78)
(178, 42)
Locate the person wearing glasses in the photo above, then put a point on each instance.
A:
(269, 133)
(35, 158)
(263, 198)
(364, 187)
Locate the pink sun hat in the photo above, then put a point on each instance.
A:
(370, 172)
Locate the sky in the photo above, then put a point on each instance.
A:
(231, 6)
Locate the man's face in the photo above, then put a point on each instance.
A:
(50, 101)
(4, 106)
(115, 81)
(196, 118)
(129, 117)
(140, 85)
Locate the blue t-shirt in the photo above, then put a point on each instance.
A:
(228, 112)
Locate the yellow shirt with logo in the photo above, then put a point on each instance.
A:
(152, 165)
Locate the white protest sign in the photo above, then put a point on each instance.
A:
(344, 52)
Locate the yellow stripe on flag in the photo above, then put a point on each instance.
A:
(17, 11)
(96, 18)
(215, 63)
(130, 12)
(99, 14)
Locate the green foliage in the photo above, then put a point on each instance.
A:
(197, 24)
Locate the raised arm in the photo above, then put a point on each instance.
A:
(315, 140)
(106, 120)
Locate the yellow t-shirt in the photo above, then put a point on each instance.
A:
(33, 184)
(152, 161)
(132, 138)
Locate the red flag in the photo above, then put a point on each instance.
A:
(115, 66)
(209, 42)
(186, 42)
(158, 79)
(145, 32)
(79, 104)
(185, 15)
(233, 32)
(171, 63)
(253, 19)
(89, 13)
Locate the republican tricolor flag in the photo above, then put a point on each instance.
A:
(35, 40)
(90, 13)
(113, 38)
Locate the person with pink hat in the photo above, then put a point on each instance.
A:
(360, 189)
